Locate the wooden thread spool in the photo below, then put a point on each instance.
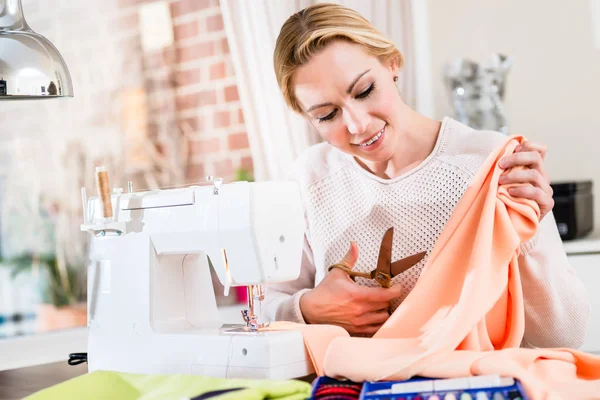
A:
(104, 191)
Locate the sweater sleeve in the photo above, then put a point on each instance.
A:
(557, 308)
(282, 300)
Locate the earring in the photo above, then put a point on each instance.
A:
(395, 79)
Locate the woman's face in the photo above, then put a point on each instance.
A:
(351, 99)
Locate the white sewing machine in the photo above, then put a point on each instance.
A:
(151, 302)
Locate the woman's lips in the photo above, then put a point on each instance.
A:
(374, 142)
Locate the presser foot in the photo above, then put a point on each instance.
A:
(252, 324)
(245, 329)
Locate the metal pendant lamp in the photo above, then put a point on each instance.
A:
(30, 66)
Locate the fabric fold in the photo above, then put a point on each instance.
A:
(465, 315)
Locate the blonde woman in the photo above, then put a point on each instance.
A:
(384, 165)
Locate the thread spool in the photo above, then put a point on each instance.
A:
(103, 187)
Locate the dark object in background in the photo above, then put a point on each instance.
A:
(573, 208)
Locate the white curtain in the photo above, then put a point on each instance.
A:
(276, 134)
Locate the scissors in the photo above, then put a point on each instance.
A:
(386, 269)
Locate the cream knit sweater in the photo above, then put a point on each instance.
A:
(344, 202)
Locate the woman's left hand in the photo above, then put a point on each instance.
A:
(529, 155)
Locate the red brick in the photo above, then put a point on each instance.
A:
(231, 93)
(208, 97)
(247, 163)
(240, 116)
(182, 7)
(196, 173)
(221, 119)
(186, 31)
(188, 77)
(217, 71)
(237, 141)
(187, 101)
(223, 168)
(214, 23)
(196, 51)
(205, 146)
(194, 100)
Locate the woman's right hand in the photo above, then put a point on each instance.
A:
(338, 300)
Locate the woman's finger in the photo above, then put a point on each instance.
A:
(534, 193)
(531, 159)
(364, 331)
(351, 256)
(372, 318)
(532, 176)
(366, 308)
(533, 146)
(376, 294)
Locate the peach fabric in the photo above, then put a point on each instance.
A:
(465, 316)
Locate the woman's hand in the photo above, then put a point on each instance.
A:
(529, 155)
(338, 300)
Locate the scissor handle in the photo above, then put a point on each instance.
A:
(385, 280)
(349, 271)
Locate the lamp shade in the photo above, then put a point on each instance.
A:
(30, 66)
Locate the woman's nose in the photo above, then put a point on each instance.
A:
(357, 121)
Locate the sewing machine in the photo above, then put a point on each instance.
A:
(151, 301)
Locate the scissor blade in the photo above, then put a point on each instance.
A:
(384, 262)
(400, 266)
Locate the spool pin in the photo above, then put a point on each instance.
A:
(103, 187)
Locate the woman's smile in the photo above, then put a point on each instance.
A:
(372, 143)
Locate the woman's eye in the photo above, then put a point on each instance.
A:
(367, 92)
(328, 116)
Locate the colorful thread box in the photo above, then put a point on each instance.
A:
(487, 387)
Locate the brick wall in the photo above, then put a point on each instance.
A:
(202, 87)
(188, 88)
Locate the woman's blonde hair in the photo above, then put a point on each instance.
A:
(309, 31)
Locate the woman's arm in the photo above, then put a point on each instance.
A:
(282, 300)
(557, 308)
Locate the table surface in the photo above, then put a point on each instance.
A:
(18, 383)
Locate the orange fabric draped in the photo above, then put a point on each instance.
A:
(465, 316)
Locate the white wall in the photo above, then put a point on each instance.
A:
(554, 85)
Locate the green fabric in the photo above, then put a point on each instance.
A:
(116, 385)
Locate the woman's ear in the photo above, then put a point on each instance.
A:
(394, 66)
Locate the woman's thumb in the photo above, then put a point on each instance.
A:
(351, 256)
